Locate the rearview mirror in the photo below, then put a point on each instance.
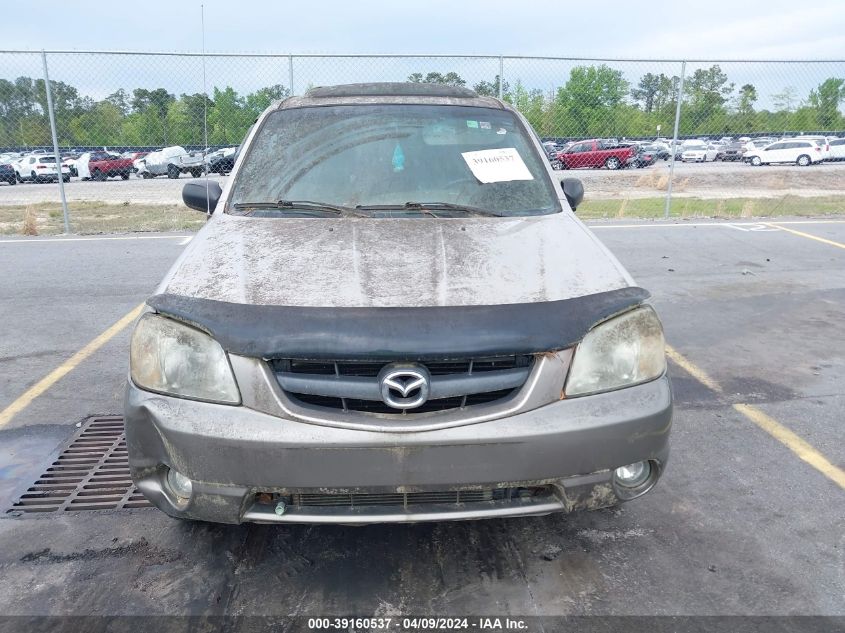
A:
(201, 195)
(573, 189)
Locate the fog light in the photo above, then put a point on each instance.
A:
(179, 484)
(633, 475)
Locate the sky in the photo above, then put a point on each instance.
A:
(705, 28)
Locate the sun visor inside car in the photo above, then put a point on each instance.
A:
(417, 333)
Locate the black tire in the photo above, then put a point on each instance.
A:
(756, 161)
(556, 165)
(803, 161)
(18, 177)
(65, 177)
(124, 175)
(196, 173)
(172, 171)
(12, 180)
(612, 162)
(98, 175)
(35, 178)
(146, 174)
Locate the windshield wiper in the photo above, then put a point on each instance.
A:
(304, 205)
(431, 206)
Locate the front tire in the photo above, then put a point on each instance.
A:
(612, 163)
(803, 160)
(756, 161)
(172, 171)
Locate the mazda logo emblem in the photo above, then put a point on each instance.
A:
(404, 386)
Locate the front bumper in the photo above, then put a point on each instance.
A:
(241, 460)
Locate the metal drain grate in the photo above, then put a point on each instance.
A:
(92, 473)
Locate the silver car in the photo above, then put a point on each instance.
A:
(394, 315)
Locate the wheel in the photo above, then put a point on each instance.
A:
(756, 161)
(35, 178)
(12, 180)
(172, 171)
(803, 160)
(146, 174)
(556, 165)
(612, 163)
(196, 173)
(18, 177)
(125, 175)
(98, 175)
(65, 177)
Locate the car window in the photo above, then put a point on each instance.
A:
(392, 154)
(837, 142)
(776, 146)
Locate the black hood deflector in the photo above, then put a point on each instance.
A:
(417, 333)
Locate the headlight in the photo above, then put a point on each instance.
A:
(169, 357)
(623, 351)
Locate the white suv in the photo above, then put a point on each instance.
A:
(799, 151)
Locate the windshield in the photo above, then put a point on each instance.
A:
(390, 155)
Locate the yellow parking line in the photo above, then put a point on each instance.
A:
(797, 445)
(696, 372)
(65, 368)
(774, 428)
(807, 235)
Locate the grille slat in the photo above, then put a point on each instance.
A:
(341, 400)
(91, 473)
(404, 500)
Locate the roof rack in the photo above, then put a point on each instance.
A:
(391, 89)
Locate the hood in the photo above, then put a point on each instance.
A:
(363, 262)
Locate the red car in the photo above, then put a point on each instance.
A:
(595, 153)
(104, 165)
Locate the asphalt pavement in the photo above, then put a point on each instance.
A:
(740, 524)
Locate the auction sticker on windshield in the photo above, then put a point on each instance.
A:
(497, 165)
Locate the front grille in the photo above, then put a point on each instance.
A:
(410, 499)
(374, 406)
(323, 378)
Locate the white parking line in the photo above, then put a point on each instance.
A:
(752, 226)
(184, 239)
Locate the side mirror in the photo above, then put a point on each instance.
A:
(201, 195)
(573, 189)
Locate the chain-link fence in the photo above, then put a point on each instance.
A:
(647, 137)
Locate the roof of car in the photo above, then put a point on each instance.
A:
(390, 92)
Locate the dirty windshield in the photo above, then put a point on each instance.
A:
(397, 159)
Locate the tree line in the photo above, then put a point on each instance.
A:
(593, 101)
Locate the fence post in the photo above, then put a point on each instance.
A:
(290, 74)
(675, 140)
(501, 76)
(52, 115)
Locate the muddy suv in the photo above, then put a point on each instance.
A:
(393, 315)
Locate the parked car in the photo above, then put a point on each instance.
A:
(821, 141)
(364, 334)
(800, 152)
(7, 174)
(837, 149)
(732, 152)
(170, 161)
(660, 150)
(40, 168)
(110, 166)
(596, 153)
(642, 157)
(699, 153)
(223, 162)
